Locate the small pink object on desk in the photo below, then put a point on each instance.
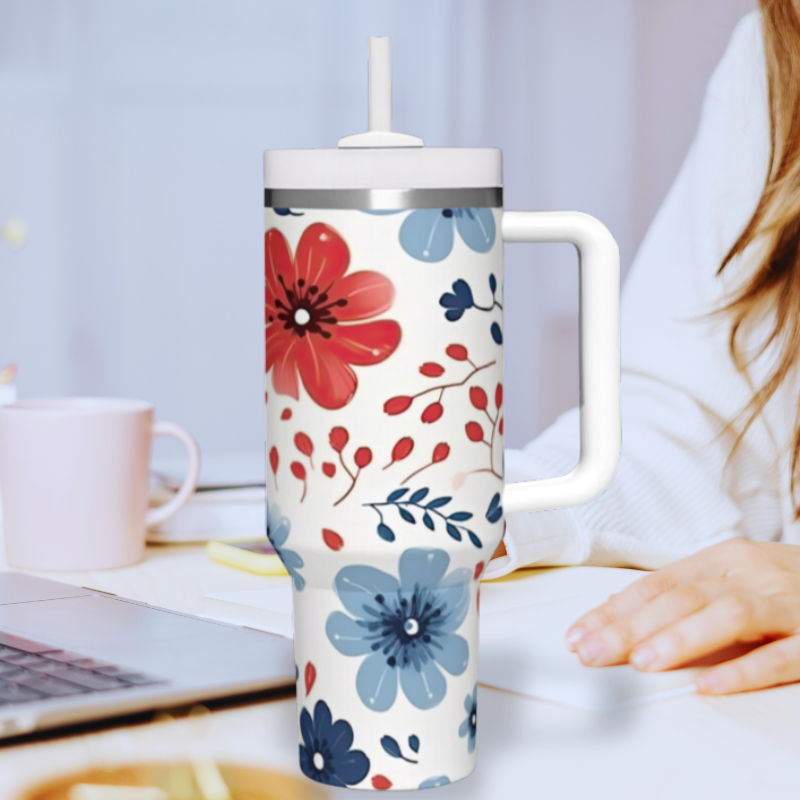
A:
(74, 481)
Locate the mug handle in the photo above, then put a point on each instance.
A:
(159, 514)
(601, 434)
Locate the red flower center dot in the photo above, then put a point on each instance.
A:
(306, 309)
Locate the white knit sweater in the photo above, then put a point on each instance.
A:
(676, 490)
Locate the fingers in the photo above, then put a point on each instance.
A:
(722, 622)
(770, 665)
(613, 643)
(708, 564)
(620, 605)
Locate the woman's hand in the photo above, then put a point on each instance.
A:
(734, 592)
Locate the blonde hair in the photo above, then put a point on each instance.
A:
(774, 287)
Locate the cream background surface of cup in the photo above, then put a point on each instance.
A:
(328, 513)
(74, 481)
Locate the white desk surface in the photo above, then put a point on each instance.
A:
(746, 746)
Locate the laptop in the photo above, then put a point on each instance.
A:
(70, 655)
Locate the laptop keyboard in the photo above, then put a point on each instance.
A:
(34, 671)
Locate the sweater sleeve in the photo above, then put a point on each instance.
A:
(679, 486)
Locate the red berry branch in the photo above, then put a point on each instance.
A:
(304, 444)
(401, 450)
(474, 429)
(299, 471)
(273, 463)
(440, 453)
(432, 412)
(332, 539)
(338, 438)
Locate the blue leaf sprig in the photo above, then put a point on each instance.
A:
(429, 510)
(461, 299)
(391, 746)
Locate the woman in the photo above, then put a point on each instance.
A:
(711, 432)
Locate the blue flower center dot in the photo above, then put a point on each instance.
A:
(473, 720)
(447, 212)
(319, 761)
(411, 626)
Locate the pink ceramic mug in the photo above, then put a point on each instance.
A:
(74, 481)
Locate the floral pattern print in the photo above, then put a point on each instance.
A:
(427, 234)
(385, 413)
(469, 726)
(325, 753)
(278, 529)
(405, 627)
(392, 747)
(461, 299)
(429, 511)
(315, 313)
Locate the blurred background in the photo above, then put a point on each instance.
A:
(131, 134)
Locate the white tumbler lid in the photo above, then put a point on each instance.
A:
(380, 158)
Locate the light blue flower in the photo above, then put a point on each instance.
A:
(432, 783)
(278, 529)
(405, 627)
(470, 725)
(427, 234)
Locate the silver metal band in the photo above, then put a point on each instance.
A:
(385, 199)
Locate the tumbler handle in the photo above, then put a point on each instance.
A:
(598, 258)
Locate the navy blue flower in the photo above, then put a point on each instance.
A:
(432, 783)
(461, 298)
(427, 234)
(470, 725)
(278, 529)
(405, 627)
(325, 754)
(457, 302)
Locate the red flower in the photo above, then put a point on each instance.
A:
(363, 457)
(478, 570)
(310, 309)
(397, 405)
(286, 413)
(457, 352)
(474, 431)
(432, 413)
(498, 396)
(500, 426)
(338, 437)
(478, 398)
(430, 369)
(329, 469)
